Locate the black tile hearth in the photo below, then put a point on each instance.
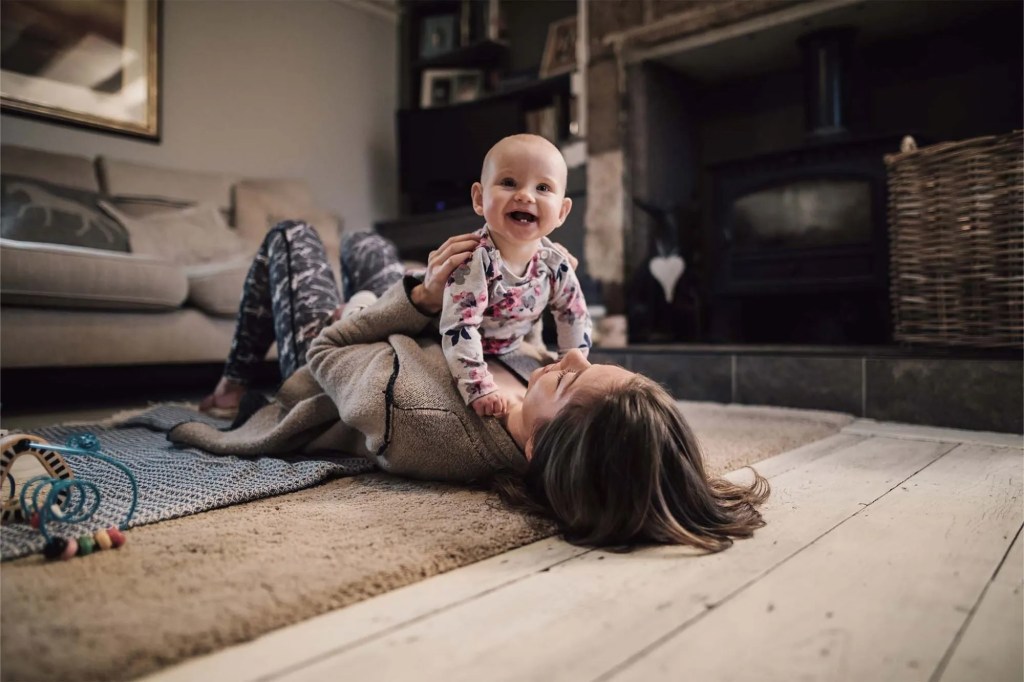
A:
(607, 356)
(818, 383)
(689, 377)
(975, 389)
(980, 395)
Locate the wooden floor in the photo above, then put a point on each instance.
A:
(891, 553)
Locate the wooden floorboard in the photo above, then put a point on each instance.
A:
(991, 647)
(336, 631)
(589, 615)
(880, 597)
(870, 427)
(801, 456)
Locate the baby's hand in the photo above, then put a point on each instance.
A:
(491, 405)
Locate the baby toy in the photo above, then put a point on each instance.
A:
(39, 486)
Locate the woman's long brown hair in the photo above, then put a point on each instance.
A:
(623, 468)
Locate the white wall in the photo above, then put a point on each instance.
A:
(267, 88)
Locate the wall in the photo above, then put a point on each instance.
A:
(267, 89)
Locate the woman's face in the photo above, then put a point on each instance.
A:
(552, 386)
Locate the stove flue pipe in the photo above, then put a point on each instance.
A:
(828, 81)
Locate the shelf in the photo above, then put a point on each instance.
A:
(538, 86)
(533, 89)
(479, 54)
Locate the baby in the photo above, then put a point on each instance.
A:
(494, 299)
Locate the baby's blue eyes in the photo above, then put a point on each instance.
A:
(510, 183)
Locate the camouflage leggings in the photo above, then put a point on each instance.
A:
(290, 293)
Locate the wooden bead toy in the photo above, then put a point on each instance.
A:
(85, 545)
(38, 486)
(102, 540)
(116, 536)
(71, 550)
(55, 548)
(23, 457)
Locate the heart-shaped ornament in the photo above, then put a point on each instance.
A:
(667, 270)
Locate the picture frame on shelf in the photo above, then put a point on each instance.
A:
(480, 20)
(89, 64)
(441, 87)
(438, 35)
(560, 48)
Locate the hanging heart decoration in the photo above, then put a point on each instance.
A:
(667, 270)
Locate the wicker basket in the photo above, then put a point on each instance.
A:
(956, 235)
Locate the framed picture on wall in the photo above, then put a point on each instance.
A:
(560, 49)
(438, 35)
(92, 63)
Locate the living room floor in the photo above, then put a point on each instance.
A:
(891, 552)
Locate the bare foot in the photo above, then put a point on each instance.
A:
(224, 399)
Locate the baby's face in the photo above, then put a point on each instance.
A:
(522, 191)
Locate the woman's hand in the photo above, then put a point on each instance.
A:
(440, 265)
(565, 252)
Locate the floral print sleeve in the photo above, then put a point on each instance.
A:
(465, 300)
(572, 321)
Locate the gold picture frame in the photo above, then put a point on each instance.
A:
(560, 49)
(91, 63)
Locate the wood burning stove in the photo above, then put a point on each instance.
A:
(799, 237)
(806, 220)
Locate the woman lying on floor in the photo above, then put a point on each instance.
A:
(603, 451)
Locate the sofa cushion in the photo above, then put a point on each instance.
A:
(65, 170)
(87, 338)
(37, 211)
(127, 179)
(67, 276)
(143, 207)
(216, 288)
(261, 204)
(197, 234)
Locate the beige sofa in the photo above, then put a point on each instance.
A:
(171, 299)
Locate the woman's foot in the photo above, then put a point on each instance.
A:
(223, 402)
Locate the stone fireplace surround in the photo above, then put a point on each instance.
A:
(675, 87)
(930, 69)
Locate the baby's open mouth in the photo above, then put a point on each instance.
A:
(523, 217)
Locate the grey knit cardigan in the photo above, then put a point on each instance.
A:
(376, 385)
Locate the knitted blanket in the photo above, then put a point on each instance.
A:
(173, 480)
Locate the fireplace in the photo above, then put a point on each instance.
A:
(800, 245)
(754, 154)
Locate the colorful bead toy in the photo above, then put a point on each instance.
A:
(57, 496)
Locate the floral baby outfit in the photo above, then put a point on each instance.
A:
(488, 310)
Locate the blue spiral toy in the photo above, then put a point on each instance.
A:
(45, 500)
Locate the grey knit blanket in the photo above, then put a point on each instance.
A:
(172, 480)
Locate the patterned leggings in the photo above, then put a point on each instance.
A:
(290, 293)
